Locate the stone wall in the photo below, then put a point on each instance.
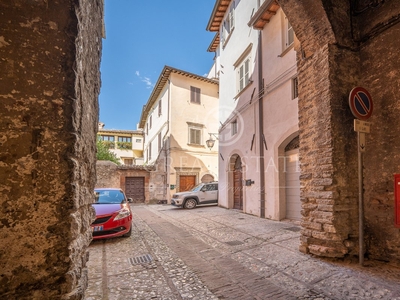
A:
(107, 174)
(338, 51)
(111, 175)
(49, 84)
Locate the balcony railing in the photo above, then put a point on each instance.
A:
(109, 144)
(124, 145)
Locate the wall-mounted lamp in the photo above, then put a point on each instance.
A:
(210, 142)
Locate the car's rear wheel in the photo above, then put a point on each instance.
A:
(190, 203)
(129, 233)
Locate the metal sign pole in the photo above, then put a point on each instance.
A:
(361, 137)
(361, 106)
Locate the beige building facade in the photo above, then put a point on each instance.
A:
(127, 145)
(180, 115)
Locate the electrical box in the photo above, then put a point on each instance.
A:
(248, 182)
(397, 200)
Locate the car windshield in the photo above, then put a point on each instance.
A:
(197, 188)
(108, 197)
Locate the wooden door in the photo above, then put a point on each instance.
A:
(134, 188)
(186, 182)
(238, 185)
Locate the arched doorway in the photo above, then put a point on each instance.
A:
(237, 184)
(292, 180)
(207, 178)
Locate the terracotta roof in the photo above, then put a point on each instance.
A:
(264, 14)
(137, 132)
(258, 21)
(217, 14)
(162, 80)
(214, 43)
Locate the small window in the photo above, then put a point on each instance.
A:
(159, 142)
(124, 139)
(228, 24)
(138, 140)
(159, 107)
(149, 151)
(194, 95)
(194, 136)
(109, 138)
(295, 88)
(288, 34)
(243, 68)
(234, 127)
(128, 161)
(244, 74)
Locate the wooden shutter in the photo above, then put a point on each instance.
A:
(194, 95)
(195, 136)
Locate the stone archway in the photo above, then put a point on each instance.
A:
(207, 178)
(344, 44)
(322, 128)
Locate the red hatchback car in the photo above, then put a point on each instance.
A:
(113, 214)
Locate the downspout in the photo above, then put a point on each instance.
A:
(167, 146)
(261, 127)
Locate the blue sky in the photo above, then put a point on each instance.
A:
(142, 37)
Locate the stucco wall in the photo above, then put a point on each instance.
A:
(280, 116)
(49, 83)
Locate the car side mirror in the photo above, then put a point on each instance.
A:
(130, 200)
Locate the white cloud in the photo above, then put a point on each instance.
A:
(146, 80)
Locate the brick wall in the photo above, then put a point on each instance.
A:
(337, 52)
(380, 64)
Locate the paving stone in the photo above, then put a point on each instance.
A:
(216, 253)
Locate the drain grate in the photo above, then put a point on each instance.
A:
(294, 229)
(140, 259)
(234, 243)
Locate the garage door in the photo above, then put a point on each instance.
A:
(134, 188)
(186, 182)
(292, 176)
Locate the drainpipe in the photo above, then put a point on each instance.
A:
(167, 147)
(261, 127)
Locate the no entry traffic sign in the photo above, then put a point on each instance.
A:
(360, 103)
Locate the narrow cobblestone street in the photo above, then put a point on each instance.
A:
(215, 253)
